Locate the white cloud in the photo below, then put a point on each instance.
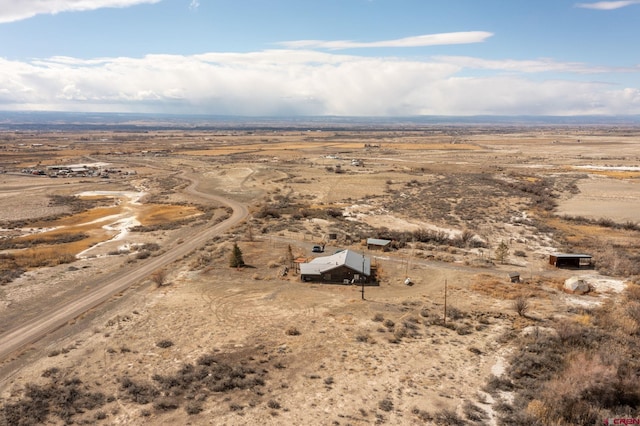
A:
(195, 4)
(531, 65)
(608, 5)
(416, 41)
(302, 82)
(16, 10)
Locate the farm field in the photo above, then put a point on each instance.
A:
(196, 341)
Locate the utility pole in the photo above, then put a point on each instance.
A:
(362, 276)
(445, 301)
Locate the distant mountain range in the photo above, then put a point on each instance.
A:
(51, 120)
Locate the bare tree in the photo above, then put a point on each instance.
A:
(521, 306)
(159, 277)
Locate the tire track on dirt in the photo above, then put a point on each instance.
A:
(58, 315)
(237, 309)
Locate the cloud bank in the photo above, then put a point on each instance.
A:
(302, 82)
(416, 41)
(16, 10)
(608, 5)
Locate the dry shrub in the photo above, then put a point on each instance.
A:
(616, 260)
(633, 311)
(159, 277)
(633, 292)
(449, 417)
(521, 306)
(202, 261)
(583, 373)
(165, 343)
(292, 331)
(385, 405)
(363, 337)
(620, 319)
(587, 390)
(473, 412)
(42, 404)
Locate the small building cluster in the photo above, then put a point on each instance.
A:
(66, 171)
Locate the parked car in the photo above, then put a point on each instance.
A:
(317, 249)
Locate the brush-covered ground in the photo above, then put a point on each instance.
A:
(203, 343)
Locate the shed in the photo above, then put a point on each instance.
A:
(378, 244)
(346, 266)
(569, 260)
(514, 277)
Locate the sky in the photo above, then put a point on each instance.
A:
(321, 57)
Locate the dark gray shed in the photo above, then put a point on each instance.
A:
(569, 260)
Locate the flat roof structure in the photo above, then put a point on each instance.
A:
(570, 260)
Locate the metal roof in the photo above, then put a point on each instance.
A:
(351, 259)
(583, 256)
(378, 241)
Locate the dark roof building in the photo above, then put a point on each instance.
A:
(344, 267)
(569, 260)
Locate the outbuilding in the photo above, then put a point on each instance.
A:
(567, 260)
(378, 244)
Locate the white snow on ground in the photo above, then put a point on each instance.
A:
(134, 197)
(121, 222)
(377, 217)
(619, 168)
(97, 164)
(602, 286)
(498, 368)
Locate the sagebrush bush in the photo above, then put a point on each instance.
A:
(385, 405)
(581, 374)
(164, 343)
(292, 331)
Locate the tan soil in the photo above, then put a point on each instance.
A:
(344, 362)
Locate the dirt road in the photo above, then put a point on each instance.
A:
(57, 316)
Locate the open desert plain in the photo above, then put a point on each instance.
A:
(119, 304)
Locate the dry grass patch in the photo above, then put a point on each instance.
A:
(81, 219)
(43, 256)
(155, 214)
(431, 146)
(75, 233)
(616, 174)
(577, 233)
(498, 288)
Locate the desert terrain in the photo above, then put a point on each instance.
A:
(135, 230)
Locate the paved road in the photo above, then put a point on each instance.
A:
(56, 317)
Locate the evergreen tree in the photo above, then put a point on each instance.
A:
(236, 260)
(502, 252)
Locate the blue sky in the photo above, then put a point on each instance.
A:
(321, 57)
